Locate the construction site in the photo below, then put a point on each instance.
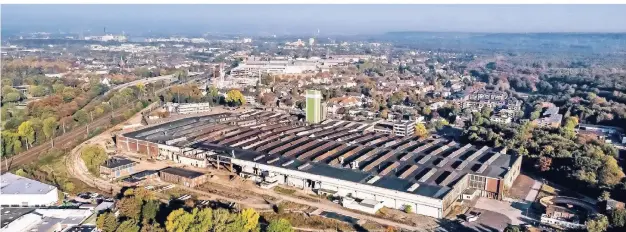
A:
(365, 169)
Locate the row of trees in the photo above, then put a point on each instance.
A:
(191, 93)
(139, 210)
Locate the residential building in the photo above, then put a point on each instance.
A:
(20, 191)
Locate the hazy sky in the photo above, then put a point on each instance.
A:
(330, 19)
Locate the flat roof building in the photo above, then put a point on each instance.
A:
(115, 167)
(187, 178)
(20, 191)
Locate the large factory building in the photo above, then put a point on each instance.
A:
(368, 170)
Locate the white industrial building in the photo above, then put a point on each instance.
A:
(19, 191)
(367, 170)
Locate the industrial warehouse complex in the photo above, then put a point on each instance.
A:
(367, 169)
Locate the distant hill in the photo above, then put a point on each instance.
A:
(512, 42)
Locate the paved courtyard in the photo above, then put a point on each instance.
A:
(515, 211)
(488, 221)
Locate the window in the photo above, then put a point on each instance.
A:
(477, 182)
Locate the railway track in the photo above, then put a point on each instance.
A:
(67, 140)
(62, 142)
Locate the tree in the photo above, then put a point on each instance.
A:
(81, 117)
(234, 97)
(221, 218)
(149, 210)
(280, 225)
(50, 125)
(27, 132)
(250, 218)
(128, 226)
(178, 221)
(597, 223)
(618, 217)
(512, 228)
(202, 220)
(38, 91)
(152, 227)
(93, 156)
(107, 222)
(11, 97)
(130, 207)
(610, 172)
(420, 130)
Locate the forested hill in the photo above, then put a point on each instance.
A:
(512, 42)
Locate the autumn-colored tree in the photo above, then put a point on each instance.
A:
(107, 222)
(130, 207)
(420, 130)
(27, 132)
(234, 97)
(250, 219)
(93, 156)
(178, 221)
(128, 226)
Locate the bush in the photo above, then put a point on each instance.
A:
(408, 209)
